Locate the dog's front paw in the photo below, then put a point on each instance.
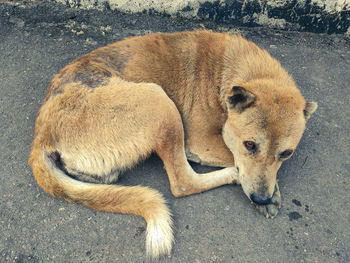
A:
(271, 210)
(235, 179)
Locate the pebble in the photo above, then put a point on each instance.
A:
(336, 40)
(17, 21)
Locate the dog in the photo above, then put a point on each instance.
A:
(211, 98)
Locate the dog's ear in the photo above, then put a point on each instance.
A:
(310, 108)
(241, 99)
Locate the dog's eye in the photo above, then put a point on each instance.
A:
(286, 154)
(251, 146)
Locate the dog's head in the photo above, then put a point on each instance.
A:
(264, 126)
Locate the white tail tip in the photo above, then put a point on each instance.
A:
(159, 238)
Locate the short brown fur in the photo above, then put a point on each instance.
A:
(211, 94)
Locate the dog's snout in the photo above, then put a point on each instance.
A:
(260, 199)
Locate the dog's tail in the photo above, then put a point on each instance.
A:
(137, 200)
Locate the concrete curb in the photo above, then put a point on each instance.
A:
(321, 16)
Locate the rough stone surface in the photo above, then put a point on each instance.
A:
(327, 16)
(217, 226)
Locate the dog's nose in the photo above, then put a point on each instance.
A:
(260, 199)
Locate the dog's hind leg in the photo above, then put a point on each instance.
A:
(183, 179)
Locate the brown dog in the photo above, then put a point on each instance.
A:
(208, 96)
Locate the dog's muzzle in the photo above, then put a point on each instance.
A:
(260, 199)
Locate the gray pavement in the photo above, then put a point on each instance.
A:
(217, 226)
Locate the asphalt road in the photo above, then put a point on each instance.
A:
(217, 226)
